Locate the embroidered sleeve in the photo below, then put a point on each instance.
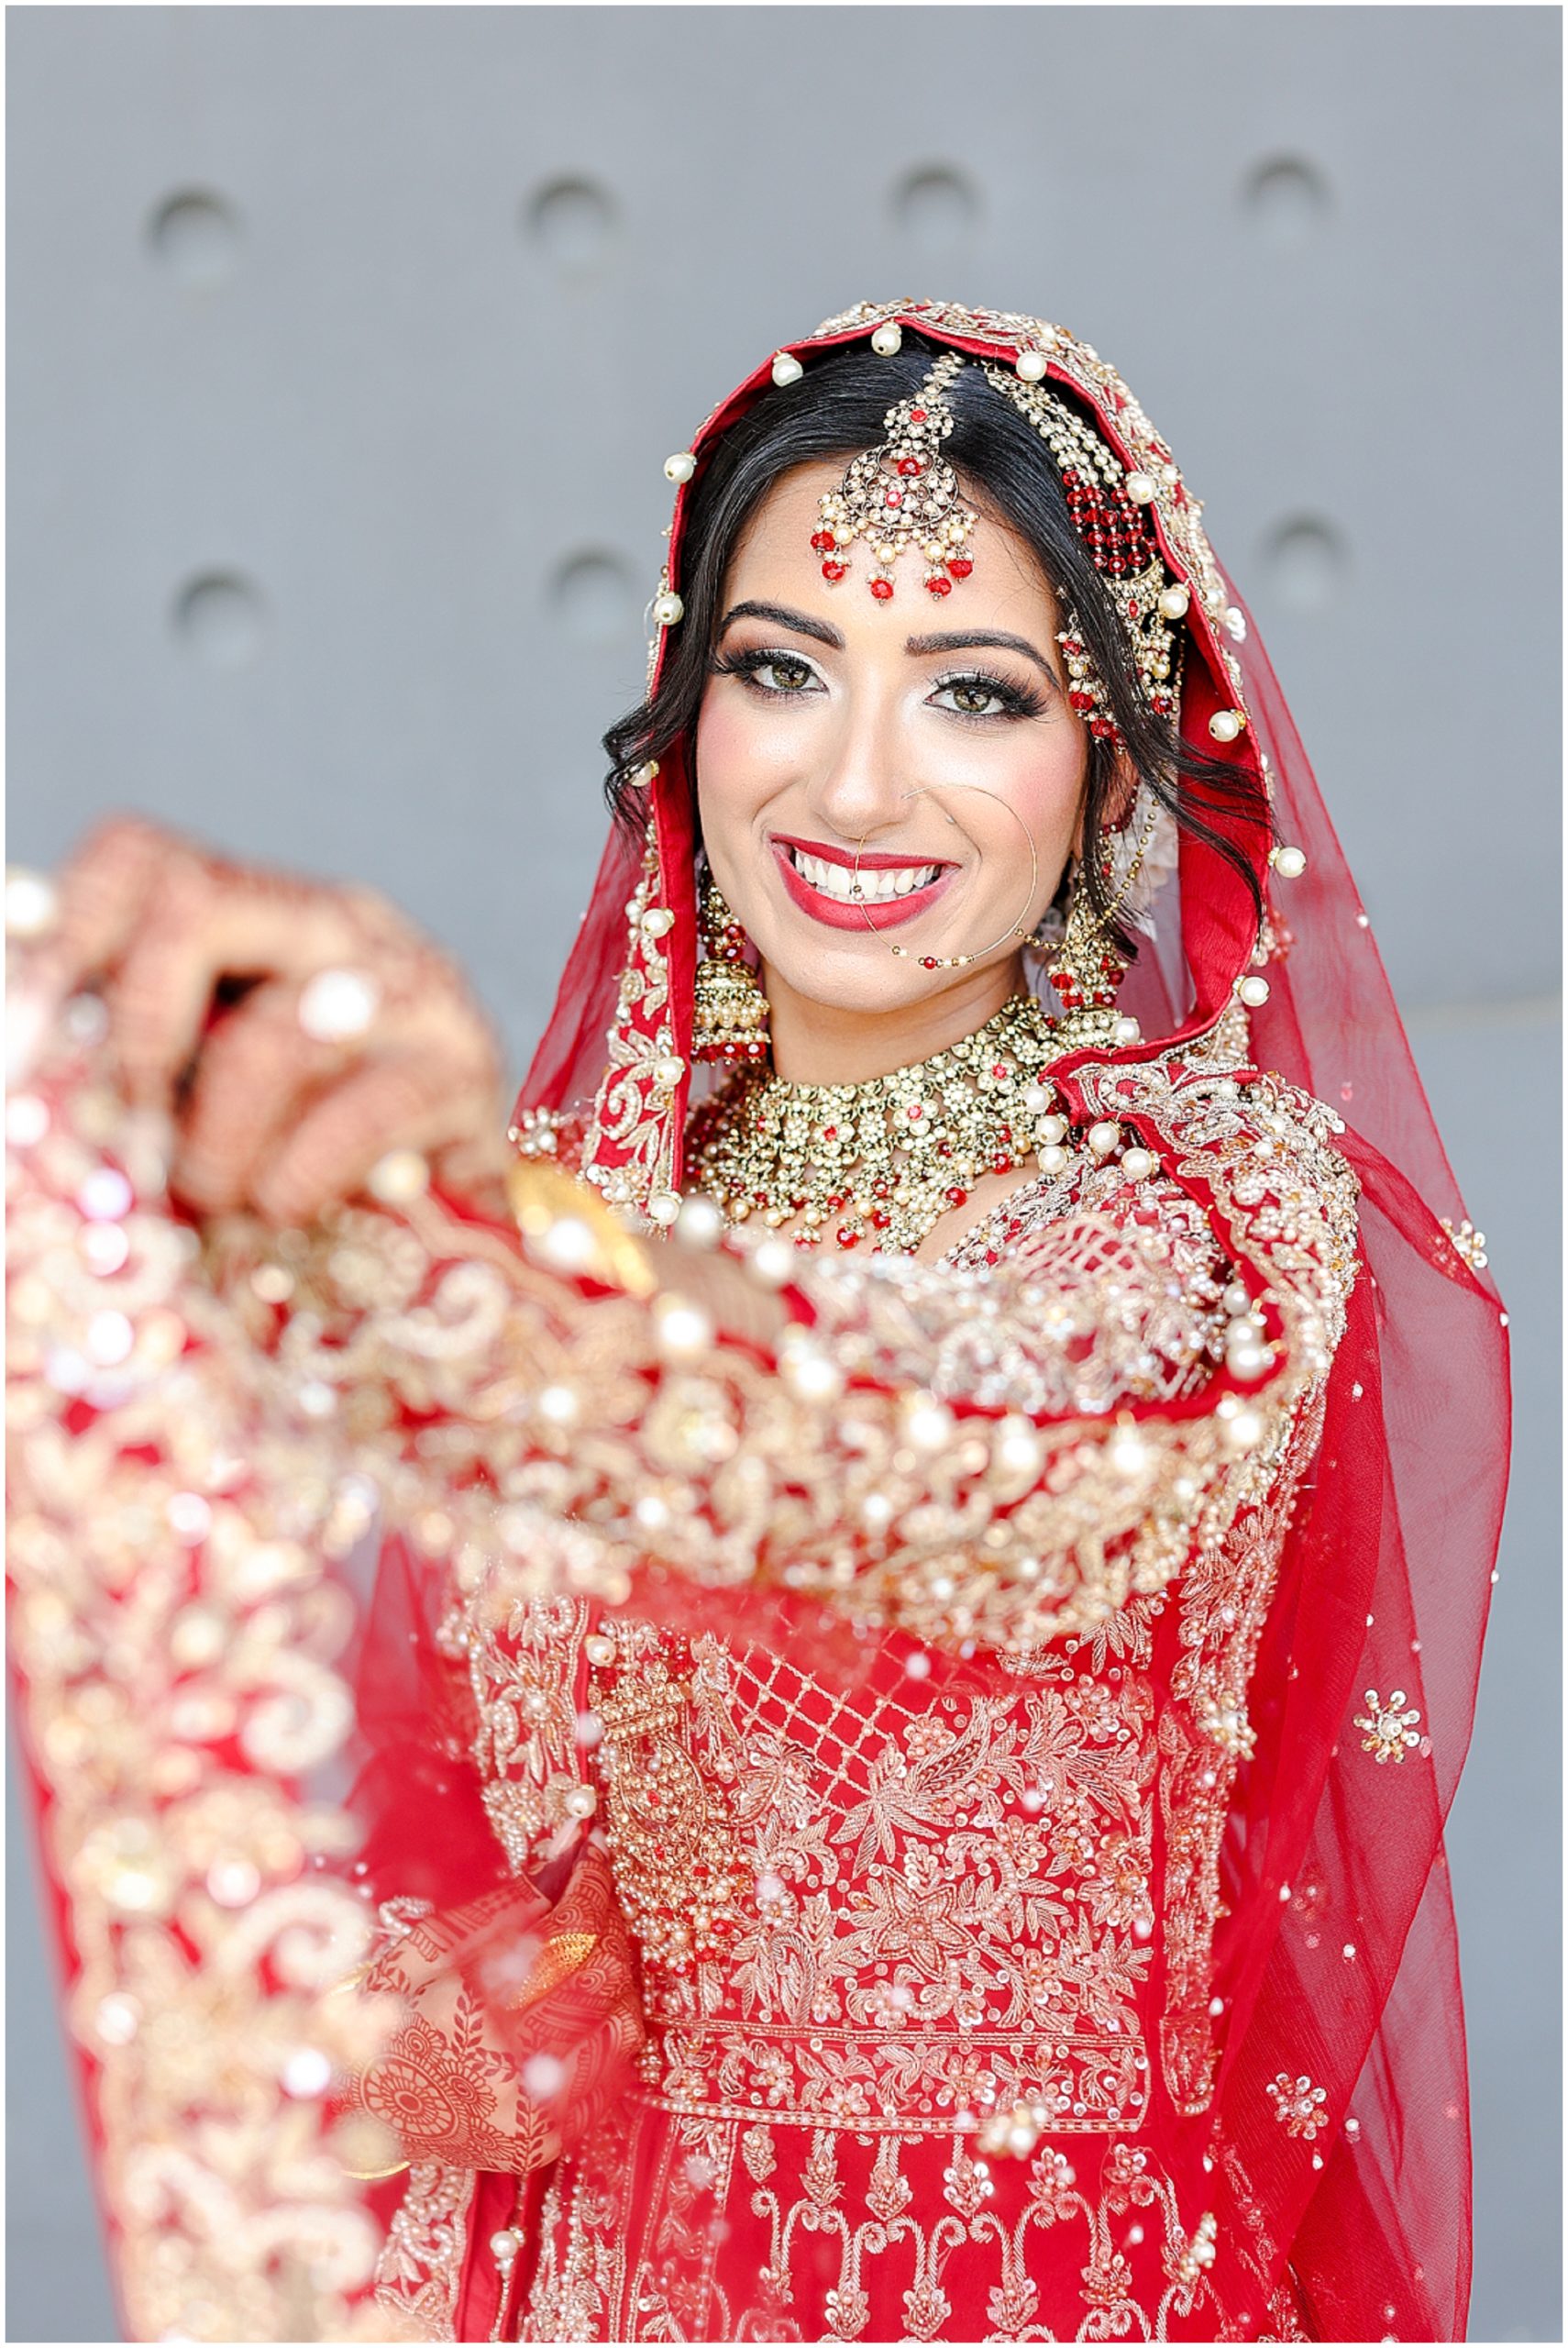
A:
(1085, 1293)
(1007, 1457)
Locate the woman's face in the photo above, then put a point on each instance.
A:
(932, 733)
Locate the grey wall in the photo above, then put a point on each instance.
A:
(347, 345)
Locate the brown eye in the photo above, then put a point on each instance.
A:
(781, 675)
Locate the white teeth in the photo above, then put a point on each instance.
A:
(839, 880)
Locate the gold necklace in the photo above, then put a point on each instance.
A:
(885, 1159)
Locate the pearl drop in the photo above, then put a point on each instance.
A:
(400, 1176)
(1127, 1031)
(1253, 992)
(559, 1405)
(664, 1206)
(685, 1334)
(773, 1262)
(700, 1222)
(1225, 725)
(668, 609)
(1030, 366)
(669, 1069)
(658, 921)
(1237, 1298)
(887, 339)
(1053, 1161)
(506, 2244)
(569, 1243)
(787, 368)
(1052, 1129)
(599, 1647)
(1137, 1164)
(1174, 602)
(31, 902)
(1140, 488)
(338, 1004)
(679, 469)
(1103, 1137)
(1290, 863)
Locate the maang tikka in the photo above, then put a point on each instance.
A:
(903, 494)
(729, 1008)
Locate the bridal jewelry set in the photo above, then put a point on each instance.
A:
(881, 1161)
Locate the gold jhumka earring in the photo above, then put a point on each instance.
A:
(730, 1009)
(1086, 967)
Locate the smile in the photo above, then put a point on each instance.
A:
(891, 890)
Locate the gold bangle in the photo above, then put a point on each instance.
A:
(569, 1227)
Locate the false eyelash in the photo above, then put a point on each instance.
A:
(1020, 701)
(746, 664)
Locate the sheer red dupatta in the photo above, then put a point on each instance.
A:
(1340, 2131)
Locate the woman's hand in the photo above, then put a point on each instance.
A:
(297, 1032)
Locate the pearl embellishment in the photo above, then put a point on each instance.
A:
(1140, 488)
(679, 469)
(1030, 366)
(1103, 1137)
(1138, 1164)
(1290, 863)
(1226, 724)
(1254, 993)
(887, 339)
(1174, 602)
(338, 1004)
(668, 609)
(664, 1206)
(787, 368)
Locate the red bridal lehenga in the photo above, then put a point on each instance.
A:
(935, 1834)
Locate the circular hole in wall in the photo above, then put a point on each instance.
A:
(935, 207)
(195, 236)
(221, 619)
(1286, 197)
(1306, 562)
(593, 597)
(572, 222)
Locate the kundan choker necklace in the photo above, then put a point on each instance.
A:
(882, 1161)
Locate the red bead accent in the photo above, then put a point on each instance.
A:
(928, 961)
(917, 415)
(823, 541)
(880, 1218)
(834, 569)
(909, 467)
(956, 1197)
(882, 589)
(892, 497)
(960, 566)
(847, 1238)
(939, 586)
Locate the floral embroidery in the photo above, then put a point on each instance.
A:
(1391, 1731)
(1298, 2105)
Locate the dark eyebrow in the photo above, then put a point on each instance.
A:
(968, 643)
(782, 616)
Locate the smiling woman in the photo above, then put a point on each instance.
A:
(928, 1620)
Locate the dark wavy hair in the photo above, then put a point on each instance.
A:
(1000, 458)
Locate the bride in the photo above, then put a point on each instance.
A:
(929, 1607)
